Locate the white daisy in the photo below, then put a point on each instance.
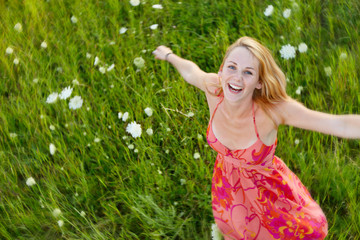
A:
(88, 55)
(125, 116)
(110, 68)
(134, 129)
(157, 6)
(74, 19)
(131, 146)
(96, 61)
(97, 140)
(182, 181)
(149, 131)
(302, 47)
(190, 114)
(269, 10)
(75, 103)
(18, 27)
(43, 44)
(215, 232)
(9, 50)
(52, 149)
(30, 181)
(154, 26)
(148, 111)
(343, 55)
(13, 135)
(134, 2)
(123, 30)
(287, 52)
(298, 90)
(82, 213)
(75, 82)
(56, 212)
(60, 223)
(102, 70)
(297, 141)
(65, 93)
(35, 80)
(52, 97)
(328, 71)
(196, 155)
(52, 127)
(139, 62)
(16, 61)
(136, 150)
(287, 13)
(120, 115)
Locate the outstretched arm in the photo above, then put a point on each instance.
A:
(295, 114)
(188, 70)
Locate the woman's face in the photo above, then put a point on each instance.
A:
(240, 75)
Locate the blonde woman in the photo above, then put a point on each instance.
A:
(254, 194)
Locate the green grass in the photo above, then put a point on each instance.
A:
(122, 192)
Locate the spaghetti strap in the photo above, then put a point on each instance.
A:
(216, 108)
(257, 134)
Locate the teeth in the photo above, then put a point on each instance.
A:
(234, 87)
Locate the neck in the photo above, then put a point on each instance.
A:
(238, 110)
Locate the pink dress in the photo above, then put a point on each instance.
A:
(256, 196)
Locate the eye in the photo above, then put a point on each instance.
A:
(232, 67)
(248, 72)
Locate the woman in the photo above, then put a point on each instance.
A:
(254, 194)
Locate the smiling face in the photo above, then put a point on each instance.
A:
(240, 75)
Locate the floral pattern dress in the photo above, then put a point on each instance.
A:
(256, 196)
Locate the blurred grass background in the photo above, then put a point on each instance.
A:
(139, 195)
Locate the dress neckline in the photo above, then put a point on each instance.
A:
(238, 149)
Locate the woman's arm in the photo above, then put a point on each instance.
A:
(295, 114)
(188, 70)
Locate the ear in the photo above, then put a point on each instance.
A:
(259, 85)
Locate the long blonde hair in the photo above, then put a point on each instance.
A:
(272, 79)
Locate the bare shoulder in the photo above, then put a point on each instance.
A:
(285, 112)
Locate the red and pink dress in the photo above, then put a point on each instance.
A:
(256, 196)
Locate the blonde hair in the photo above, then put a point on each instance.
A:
(272, 79)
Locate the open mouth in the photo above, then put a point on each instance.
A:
(234, 89)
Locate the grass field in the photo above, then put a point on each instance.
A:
(109, 185)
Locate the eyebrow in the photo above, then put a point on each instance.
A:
(246, 67)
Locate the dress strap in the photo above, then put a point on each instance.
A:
(257, 134)
(222, 97)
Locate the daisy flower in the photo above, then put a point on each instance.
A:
(302, 47)
(18, 27)
(96, 61)
(52, 97)
(52, 149)
(16, 61)
(56, 212)
(30, 181)
(135, 2)
(74, 19)
(149, 131)
(60, 223)
(120, 115)
(287, 52)
(65, 93)
(43, 44)
(190, 114)
(148, 111)
(125, 116)
(157, 6)
(269, 10)
(102, 70)
(182, 181)
(82, 213)
(123, 30)
(298, 90)
(110, 68)
(287, 13)
(328, 71)
(134, 129)
(343, 55)
(215, 232)
(9, 50)
(75, 103)
(139, 62)
(154, 26)
(196, 155)
(13, 135)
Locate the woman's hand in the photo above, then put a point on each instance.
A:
(162, 52)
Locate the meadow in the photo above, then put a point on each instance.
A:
(70, 170)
